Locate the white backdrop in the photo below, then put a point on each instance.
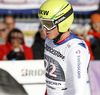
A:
(31, 74)
(23, 1)
(78, 5)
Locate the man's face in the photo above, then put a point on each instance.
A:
(10, 23)
(96, 26)
(51, 34)
(3, 31)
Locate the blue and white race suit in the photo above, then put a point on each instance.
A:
(66, 66)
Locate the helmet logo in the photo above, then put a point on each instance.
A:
(60, 20)
(43, 12)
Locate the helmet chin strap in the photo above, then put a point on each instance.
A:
(57, 38)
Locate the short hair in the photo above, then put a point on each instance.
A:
(78, 29)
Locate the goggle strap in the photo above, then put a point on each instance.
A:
(63, 17)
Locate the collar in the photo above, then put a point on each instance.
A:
(60, 41)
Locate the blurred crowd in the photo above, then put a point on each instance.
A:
(12, 44)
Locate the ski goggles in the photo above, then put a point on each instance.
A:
(48, 23)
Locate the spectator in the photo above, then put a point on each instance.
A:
(10, 22)
(38, 46)
(3, 33)
(80, 32)
(15, 48)
(94, 35)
